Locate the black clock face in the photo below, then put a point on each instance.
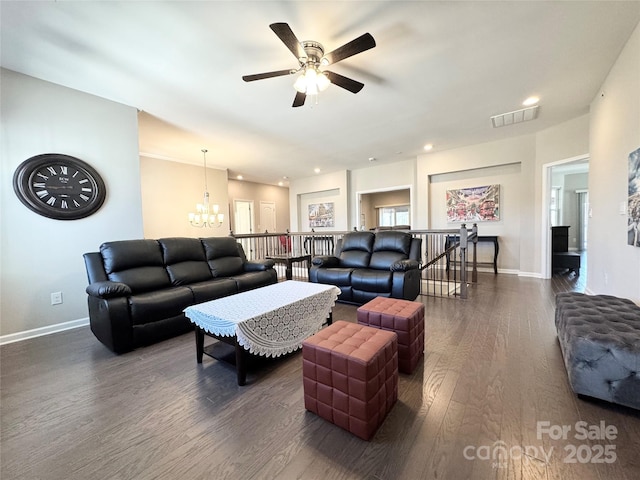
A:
(59, 186)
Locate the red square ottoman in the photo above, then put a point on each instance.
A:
(404, 317)
(350, 376)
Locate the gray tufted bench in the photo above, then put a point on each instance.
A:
(600, 340)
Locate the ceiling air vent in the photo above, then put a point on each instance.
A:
(510, 118)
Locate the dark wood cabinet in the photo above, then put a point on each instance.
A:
(561, 258)
(560, 239)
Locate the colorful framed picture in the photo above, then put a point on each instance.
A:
(476, 204)
(321, 215)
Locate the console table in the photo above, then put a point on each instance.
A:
(493, 239)
(326, 245)
(289, 260)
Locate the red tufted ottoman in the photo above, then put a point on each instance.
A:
(350, 376)
(404, 317)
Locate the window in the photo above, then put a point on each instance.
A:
(554, 206)
(392, 216)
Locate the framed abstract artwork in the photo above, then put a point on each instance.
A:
(321, 215)
(476, 204)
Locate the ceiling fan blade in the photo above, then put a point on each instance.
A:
(260, 76)
(344, 82)
(359, 45)
(284, 33)
(299, 100)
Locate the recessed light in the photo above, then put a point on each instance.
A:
(530, 101)
(372, 159)
(280, 184)
(428, 147)
(317, 170)
(239, 177)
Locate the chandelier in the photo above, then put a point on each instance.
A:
(206, 215)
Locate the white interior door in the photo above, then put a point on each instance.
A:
(243, 216)
(267, 217)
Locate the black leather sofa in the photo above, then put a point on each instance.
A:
(366, 265)
(139, 288)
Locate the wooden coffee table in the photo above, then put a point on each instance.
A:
(270, 321)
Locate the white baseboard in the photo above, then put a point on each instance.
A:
(38, 332)
(530, 274)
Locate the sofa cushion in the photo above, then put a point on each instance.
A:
(251, 280)
(212, 289)
(369, 280)
(393, 241)
(137, 263)
(388, 248)
(153, 306)
(223, 256)
(185, 260)
(356, 248)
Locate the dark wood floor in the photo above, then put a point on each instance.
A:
(492, 370)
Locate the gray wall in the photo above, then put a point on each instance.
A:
(40, 255)
(614, 266)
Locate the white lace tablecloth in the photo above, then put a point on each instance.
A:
(272, 320)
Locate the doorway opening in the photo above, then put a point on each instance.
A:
(566, 210)
(243, 216)
(389, 208)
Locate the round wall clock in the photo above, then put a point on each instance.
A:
(59, 186)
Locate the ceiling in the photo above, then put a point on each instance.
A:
(439, 71)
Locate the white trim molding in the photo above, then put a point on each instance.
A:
(48, 330)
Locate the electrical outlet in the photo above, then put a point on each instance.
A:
(56, 298)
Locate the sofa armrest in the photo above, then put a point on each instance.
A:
(404, 265)
(326, 261)
(258, 265)
(108, 289)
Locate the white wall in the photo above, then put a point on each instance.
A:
(170, 190)
(258, 192)
(502, 162)
(614, 266)
(384, 177)
(40, 255)
(330, 187)
(569, 140)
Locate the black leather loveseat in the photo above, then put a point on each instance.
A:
(366, 265)
(139, 288)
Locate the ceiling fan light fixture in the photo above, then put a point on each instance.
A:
(300, 84)
(311, 81)
(311, 77)
(311, 57)
(323, 82)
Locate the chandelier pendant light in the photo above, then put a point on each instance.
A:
(206, 215)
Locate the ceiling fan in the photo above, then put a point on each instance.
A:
(310, 55)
